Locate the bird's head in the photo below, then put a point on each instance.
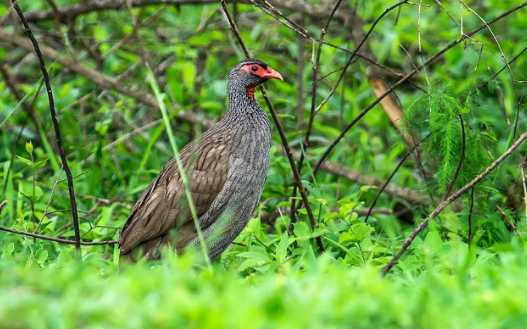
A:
(250, 73)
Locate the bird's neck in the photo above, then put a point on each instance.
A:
(242, 101)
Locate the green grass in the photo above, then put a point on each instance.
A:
(456, 290)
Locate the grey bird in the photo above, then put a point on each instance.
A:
(226, 169)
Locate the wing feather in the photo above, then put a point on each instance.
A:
(163, 205)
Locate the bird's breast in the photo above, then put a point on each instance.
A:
(252, 146)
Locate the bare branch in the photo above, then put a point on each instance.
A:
(511, 227)
(2, 205)
(470, 233)
(59, 240)
(461, 157)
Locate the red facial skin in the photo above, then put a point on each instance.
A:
(261, 72)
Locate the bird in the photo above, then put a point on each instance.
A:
(226, 168)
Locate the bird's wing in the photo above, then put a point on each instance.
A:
(163, 205)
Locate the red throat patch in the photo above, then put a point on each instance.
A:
(250, 92)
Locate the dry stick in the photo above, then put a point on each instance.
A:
(100, 79)
(12, 159)
(429, 61)
(517, 117)
(60, 240)
(451, 199)
(86, 7)
(279, 126)
(304, 33)
(58, 136)
(314, 87)
(354, 53)
(399, 165)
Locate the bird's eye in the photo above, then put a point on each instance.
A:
(254, 68)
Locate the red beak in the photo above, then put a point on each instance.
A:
(272, 74)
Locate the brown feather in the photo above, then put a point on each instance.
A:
(164, 206)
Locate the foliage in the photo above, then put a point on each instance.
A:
(273, 276)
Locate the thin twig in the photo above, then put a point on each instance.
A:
(513, 59)
(69, 13)
(10, 82)
(502, 54)
(429, 61)
(356, 50)
(454, 196)
(59, 240)
(283, 137)
(511, 227)
(314, 87)
(517, 117)
(300, 97)
(401, 162)
(58, 135)
(12, 159)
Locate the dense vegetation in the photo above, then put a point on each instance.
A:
(456, 113)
